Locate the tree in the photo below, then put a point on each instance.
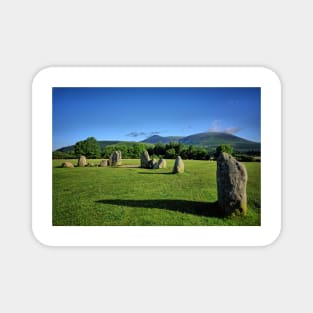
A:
(191, 152)
(184, 153)
(107, 151)
(89, 148)
(170, 153)
(159, 149)
(201, 154)
(136, 149)
(62, 155)
(223, 148)
(177, 146)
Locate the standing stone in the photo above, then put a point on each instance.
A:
(68, 165)
(82, 161)
(144, 159)
(116, 158)
(179, 166)
(232, 180)
(104, 163)
(160, 164)
(119, 162)
(153, 163)
(119, 157)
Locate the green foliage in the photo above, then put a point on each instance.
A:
(136, 150)
(62, 155)
(223, 148)
(170, 153)
(129, 150)
(206, 140)
(89, 148)
(174, 149)
(135, 196)
(242, 157)
(177, 146)
(201, 154)
(159, 149)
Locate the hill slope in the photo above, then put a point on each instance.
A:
(209, 140)
(159, 139)
(102, 143)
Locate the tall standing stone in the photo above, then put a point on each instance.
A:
(82, 161)
(116, 158)
(179, 166)
(119, 157)
(232, 180)
(145, 159)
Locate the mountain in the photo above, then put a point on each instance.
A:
(209, 140)
(159, 139)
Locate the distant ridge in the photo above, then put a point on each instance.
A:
(208, 140)
(159, 139)
(102, 143)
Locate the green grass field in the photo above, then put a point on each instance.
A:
(132, 196)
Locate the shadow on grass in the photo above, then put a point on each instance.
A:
(208, 209)
(155, 173)
(126, 166)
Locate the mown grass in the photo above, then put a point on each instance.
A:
(129, 196)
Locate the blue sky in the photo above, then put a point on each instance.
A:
(133, 114)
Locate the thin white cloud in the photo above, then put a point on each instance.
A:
(135, 134)
(216, 127)
(232, 130)
(142, 134)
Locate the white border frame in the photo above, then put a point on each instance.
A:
(156, 235)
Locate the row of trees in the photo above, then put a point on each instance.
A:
(173, 149)
(129, 151)
(92, 150)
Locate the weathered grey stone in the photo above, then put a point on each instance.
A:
(160, 164)
(179, 166)
(232, 179)
(104, 163)
(82, 161)
(145, 159)
(153, 163)
(68, 165)
(116, 158)
(119, 156)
